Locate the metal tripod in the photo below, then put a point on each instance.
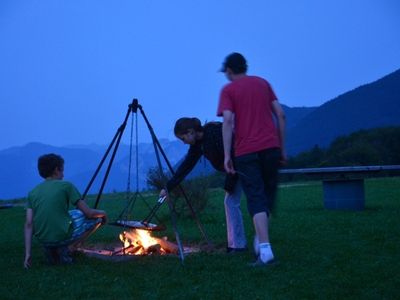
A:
(132, 108)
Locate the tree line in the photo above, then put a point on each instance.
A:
(378, 146)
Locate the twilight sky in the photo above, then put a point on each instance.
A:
(70, 68)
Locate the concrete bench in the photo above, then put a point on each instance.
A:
(343, 187)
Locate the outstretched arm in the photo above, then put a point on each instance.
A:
(91, 213)
(28, 237)
(187, 165)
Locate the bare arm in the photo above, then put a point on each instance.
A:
(90, 212)
(227, 131)
(28, 230)
(281, 118)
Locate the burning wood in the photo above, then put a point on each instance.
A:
(140, 242)
(137, 242)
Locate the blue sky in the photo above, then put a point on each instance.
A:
(69, 69)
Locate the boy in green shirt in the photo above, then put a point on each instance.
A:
(48, 217)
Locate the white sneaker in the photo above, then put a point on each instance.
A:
(260, 263)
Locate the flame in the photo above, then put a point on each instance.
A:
(124, 240)
(145, 238)
(140, 240)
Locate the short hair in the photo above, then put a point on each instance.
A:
(183, 125)
(48, 163)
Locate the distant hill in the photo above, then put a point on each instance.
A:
(372, 105)
(295, 114)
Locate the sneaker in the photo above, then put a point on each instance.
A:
(231, 250)
(260, 263)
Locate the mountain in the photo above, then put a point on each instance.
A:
(18, 173)
(295, 114)
(368, 106)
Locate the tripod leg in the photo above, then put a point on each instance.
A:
(100, 165)
(178, 240)
(108, 168)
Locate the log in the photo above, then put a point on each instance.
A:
(130, 249)
(154, 249)
(168, 246)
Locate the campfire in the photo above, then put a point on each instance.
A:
(136, 242)
(140, 242)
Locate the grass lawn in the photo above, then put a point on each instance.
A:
(322, 254)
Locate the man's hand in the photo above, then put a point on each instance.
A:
(228, 165)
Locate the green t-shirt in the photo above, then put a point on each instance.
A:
(50, 201)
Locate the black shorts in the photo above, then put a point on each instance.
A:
(258, 173)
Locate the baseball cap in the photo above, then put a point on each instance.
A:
(234, 61)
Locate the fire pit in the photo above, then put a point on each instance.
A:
(137, 242)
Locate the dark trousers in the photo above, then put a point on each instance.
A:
(258, 173)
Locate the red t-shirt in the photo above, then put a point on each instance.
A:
(250, 99)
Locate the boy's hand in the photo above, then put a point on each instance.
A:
(104, 218)
(27, 262)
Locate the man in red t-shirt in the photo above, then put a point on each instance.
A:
(252, 112)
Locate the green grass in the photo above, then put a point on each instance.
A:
(323, 254)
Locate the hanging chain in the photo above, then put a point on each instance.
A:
(137, 155)
(128, 188)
